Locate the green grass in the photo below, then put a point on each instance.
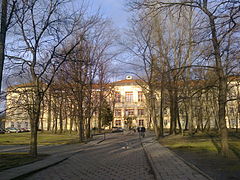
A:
(195, 146)
(11, 160)
(198, 142)
(202, 150)
(43, 138)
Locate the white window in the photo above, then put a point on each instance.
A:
(129, 112)
(118, 112)
(129, 96)
(140, 112)
(117, 97)
(140, 96)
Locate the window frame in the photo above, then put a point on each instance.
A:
(129, 96)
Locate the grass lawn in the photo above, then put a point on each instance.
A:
(11, 160)
(43, 138)
(203, 151)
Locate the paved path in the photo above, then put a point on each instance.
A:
(167, 165)
(119, 157)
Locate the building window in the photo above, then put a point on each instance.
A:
(117, 97)
(18, 125)
(118, 112)
(140, 96)
(231, 110)
(26, 124)
(140, 112)
(129, 96)
(12, 124)
(141, 122)
(118, 123)
(165, 111)
(129, 112)
(239, 106)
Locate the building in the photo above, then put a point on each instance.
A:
(128, 103)
(130, 108)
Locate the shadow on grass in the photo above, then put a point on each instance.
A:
(11, 160)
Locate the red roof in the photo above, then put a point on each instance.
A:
(126, 81)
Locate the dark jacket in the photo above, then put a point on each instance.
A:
(143, 129)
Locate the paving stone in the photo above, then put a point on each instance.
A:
(121, 157)
(108, 160)
(167, 165)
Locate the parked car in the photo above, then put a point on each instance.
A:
(24, 130)
(12, 130)
(117, 129)
(2, 131)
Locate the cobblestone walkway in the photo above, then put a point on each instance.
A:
(167, 165)
(118, 158)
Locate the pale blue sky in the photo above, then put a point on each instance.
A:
(113, 9)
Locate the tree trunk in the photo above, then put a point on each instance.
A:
(80, 114)
(161, 132)
(41, 118)
(33, 138)
(222, 121)
(153, 113)
(222, 88)
(61, 115)
(72, 117)
(190, 117)
(3, 37)
(49, 118)
(34, 121)
(187, 115)
(100, 111)
(66, 115)
(173, 111)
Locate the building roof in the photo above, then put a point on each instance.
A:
(126, 82)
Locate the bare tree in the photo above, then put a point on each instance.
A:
(88, 66)
(221, 19)
(6, 17)
(42, 29)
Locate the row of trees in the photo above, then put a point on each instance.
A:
(62, 52)
(187, 51)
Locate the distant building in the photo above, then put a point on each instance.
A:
(130, 108)
(129, 104)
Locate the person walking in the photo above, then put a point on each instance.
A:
(143, 129)
(139, 131)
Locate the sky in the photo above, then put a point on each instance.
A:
(113, 9)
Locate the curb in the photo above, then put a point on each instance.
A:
(192, 165)
(149, 159)
(22, 171)
(158, 176)
(28, 169)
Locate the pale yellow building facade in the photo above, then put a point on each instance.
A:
(129, 107)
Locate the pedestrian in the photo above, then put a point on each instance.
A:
(143, 129)
(139, 131)
(134, 130)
